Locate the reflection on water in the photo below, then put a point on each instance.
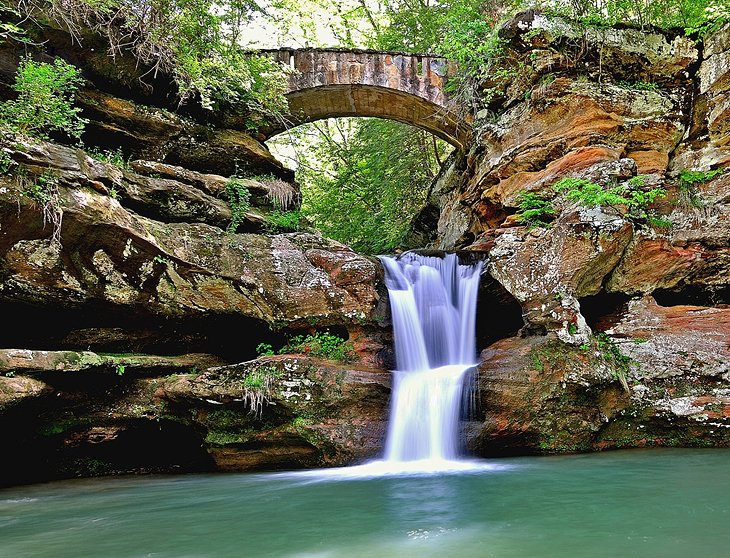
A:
(662, 503)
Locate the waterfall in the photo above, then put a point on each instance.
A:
(433, 304)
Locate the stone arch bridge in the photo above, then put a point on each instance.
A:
(328, 83)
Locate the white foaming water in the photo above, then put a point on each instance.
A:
(433, 304)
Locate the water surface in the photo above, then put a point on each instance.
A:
(661, 503)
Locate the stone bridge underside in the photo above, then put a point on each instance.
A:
(406, 88)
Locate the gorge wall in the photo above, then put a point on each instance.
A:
(132, 317)
(611, 108)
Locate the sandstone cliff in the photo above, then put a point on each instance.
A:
(132, 318)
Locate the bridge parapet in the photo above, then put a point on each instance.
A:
(410, 88)
(418, 74)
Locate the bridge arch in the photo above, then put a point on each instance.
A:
(330, 83)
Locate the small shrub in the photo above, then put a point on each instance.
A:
(264, 349)
(659, 222)
(628, 195)
(535, 211)
(114, 156)
(284, 221)
(689, 194)
(257, 387)
(687, 176)
(620, 363)
(6, 164)
(239, 199)
(45, 100)
(43, 192)
(321, 344)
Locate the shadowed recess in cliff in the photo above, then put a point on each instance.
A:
(106, 328)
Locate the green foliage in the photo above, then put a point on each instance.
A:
(44, 194)
(8, 30)
(264, 349)
(44, 102)
(239, 200)
(630, 195)
(364, 180)
(321, 344)
(659, 222)
(43, 189)
(689, 180)
(121, 368)
(536, 361)
(260, 378)
(696, 17)
(611, 354)
(6, 164)
(284, 221)
(711, 19)
(257, 387)
(535, 211)
(691, 177)
(196, 42)
(114, 156)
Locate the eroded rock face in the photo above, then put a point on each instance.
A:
(548, 269)
(119, 256)
(333, 414)
(540, 395)
(107, 254)
(620, 111)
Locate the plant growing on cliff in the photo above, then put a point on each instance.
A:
(239, 200)
(44, 194)
(265, 349)
(257, 387)
(114, 156)
(631, 198)
(689, 180)
(535, 210)
(195, 42)
(284, 221)
(619, 363)
(696, 17)
(44, 102)
(321, 344)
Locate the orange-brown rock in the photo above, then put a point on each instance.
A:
(539, 395)
(14, 390)
(547, 269)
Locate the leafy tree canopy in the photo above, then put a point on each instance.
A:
(363, 180)
(197, 42)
